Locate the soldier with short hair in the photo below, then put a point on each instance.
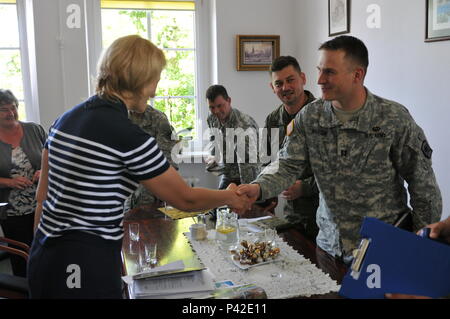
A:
(360, 147)
(230, 124)
(287, 82)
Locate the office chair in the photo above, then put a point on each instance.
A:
(13, 287)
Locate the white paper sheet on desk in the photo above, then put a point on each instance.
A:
(176, 265)
(182, 285)
(246, 224)
(252, 220)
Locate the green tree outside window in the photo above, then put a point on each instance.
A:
(173, 32)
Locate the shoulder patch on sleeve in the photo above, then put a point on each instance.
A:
(290, 128)
(426, 149)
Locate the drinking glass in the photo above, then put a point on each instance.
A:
(227, 229)
(150, 253)
(270, 236)
(134, 231)
(167, 208)
(148, 257)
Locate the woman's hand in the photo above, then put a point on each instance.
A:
(252, 191)
(19, 182)
(170, 187)
(238, 203)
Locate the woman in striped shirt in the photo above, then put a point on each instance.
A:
(93, 160)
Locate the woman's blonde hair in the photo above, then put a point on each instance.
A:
(127, 66)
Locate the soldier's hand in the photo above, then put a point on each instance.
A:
(239, 203)
(293, 192)
(36, 176)
(252, 191)
(210, 160)
(440, 230)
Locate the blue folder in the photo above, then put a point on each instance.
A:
(398, 261)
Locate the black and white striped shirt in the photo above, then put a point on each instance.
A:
(96, 159)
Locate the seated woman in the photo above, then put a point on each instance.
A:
(94, 159)
(21, 145)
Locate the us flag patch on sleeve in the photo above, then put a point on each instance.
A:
(426, 149)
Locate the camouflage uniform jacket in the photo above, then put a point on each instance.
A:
(360, 168)
(237, 167)
(155, 123)
(302, 210)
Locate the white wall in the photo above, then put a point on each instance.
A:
(249, 90)
(60, 58)
(402, 66)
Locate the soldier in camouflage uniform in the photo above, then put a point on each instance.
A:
(360, 148)
(155, 123)
(241, 167)
(287, 83)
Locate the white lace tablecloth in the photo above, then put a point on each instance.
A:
(299, 277)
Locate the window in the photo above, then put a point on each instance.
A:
(171, 27)
(10, 54)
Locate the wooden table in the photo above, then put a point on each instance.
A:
(173, 245)
(167, 233)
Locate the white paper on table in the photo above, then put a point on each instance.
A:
(246, 224)
(252, 220)
(179, 284)
(176, 265)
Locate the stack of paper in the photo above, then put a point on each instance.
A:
(172, 281)
(179, 284)
(177, 265)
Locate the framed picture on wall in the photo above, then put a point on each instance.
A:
(338, 17)
(437, 20)
(256, 52)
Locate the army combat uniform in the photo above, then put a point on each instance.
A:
(303, 209)
(155, 123)
(360, 168)
(238, 169)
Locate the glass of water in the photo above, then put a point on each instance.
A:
(270, 236)
(148, 256)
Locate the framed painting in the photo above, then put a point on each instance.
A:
(437, 26)
(338, 17)
(256, 52)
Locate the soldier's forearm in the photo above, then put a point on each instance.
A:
(248, 172)
(276, 177)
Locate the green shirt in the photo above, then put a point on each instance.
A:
(244, 167)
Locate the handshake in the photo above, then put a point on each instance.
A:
(242, 197)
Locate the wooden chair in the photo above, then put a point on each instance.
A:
(13, 287)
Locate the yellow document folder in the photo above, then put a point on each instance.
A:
(174, 213)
